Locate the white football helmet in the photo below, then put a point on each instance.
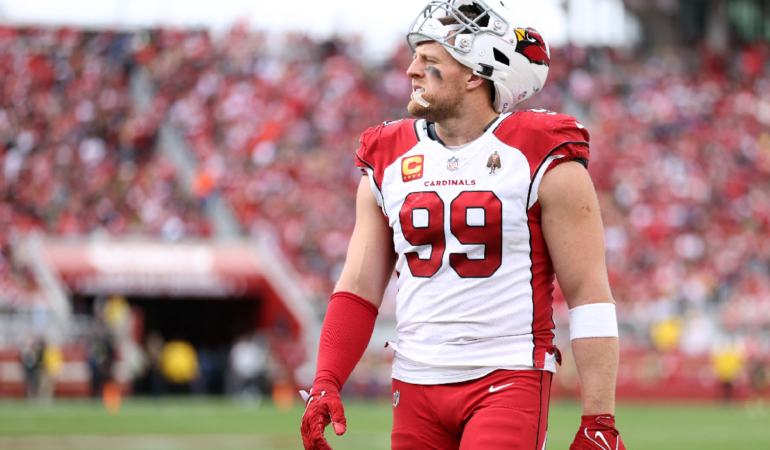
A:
(499, 44)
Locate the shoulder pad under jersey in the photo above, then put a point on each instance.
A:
(383, 144)
(541, 133)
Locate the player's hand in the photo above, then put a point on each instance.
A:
(323, 406)
(598, 433)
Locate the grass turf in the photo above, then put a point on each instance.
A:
(202, 423)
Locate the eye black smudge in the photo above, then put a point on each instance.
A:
(433, 71)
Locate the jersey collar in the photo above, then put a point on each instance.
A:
(427, 130)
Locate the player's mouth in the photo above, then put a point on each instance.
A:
(417, 92)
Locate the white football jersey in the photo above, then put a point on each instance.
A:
(475, 279)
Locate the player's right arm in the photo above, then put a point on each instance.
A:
(350, 318)
(371, 258)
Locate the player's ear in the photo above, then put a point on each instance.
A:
(473, 81)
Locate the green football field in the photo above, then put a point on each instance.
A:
(218, 424)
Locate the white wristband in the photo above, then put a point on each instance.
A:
(593, 320)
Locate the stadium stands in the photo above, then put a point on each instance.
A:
(274, 129)
(78, 157)
(681, 162)
(680, 153)
(680, 159)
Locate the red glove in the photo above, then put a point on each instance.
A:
(323, 407)
(345, 334)
(598, 433)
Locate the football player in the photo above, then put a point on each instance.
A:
(475, 251)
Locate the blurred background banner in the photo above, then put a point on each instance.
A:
(585, 22)
(177, 189)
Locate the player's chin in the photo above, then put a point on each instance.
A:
(417, 110)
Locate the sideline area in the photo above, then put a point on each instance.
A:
(222, 424)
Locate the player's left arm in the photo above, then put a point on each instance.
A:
(572, 227)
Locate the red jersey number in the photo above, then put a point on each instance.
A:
(487, 232)
(431, 234)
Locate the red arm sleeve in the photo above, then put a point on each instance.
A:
(346, 331)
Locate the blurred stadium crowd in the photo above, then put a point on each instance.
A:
(78, 157)
(274, 131)
(680, 156)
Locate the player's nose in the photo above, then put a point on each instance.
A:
(415, 69)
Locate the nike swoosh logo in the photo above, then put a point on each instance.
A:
(495, 389)
(579, 125)
(600, 435)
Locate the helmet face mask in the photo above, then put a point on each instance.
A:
(497, 44)
(427, 26)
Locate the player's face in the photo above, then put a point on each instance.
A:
(442, 78)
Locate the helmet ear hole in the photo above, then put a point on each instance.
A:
(500, 57)
(493, 92)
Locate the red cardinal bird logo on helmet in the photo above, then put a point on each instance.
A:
(532, 46)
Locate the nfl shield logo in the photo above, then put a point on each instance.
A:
(396, 398)
(453, 164)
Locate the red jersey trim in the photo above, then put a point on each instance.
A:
(541, 282)
(573, 153)
(358, 158)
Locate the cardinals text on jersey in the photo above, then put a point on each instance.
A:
(475, 278)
